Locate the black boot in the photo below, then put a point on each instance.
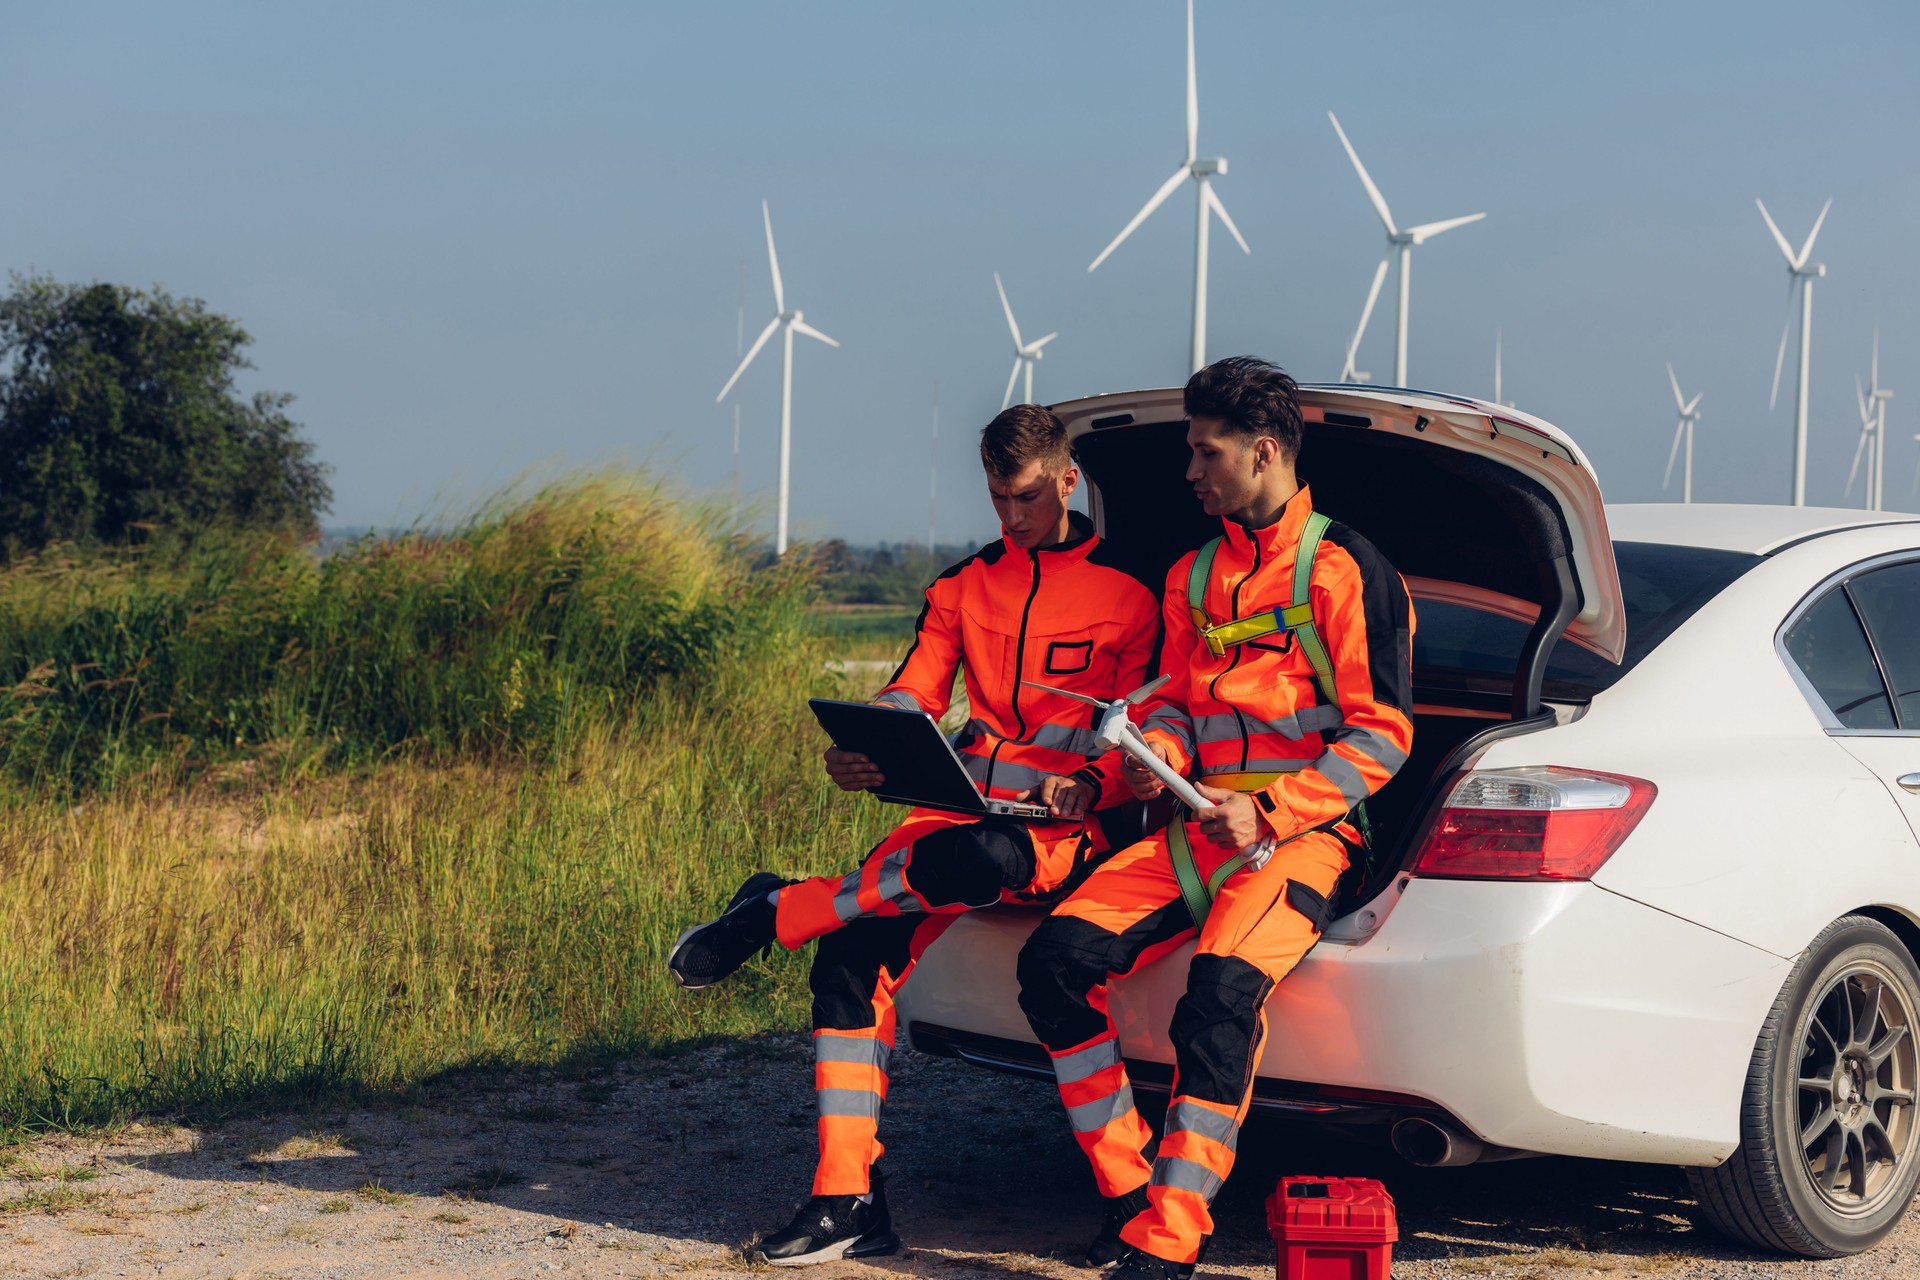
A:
(828, 1228)
(709, 952)
(1138, 1264)
(1121, 1209)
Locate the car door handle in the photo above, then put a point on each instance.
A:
(1909, 782)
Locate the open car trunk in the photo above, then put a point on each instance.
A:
(1475, 504)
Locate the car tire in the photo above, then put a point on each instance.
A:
(1829, 1137)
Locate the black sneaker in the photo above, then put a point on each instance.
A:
(1121, 1209)
(709, 952)
(828, 1228)
(1138, 1264)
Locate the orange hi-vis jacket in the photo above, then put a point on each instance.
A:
(1252, 717)
(1062, 616)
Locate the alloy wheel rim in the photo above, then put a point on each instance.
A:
(1855, 1089)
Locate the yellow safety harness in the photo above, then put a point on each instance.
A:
(1297, 617)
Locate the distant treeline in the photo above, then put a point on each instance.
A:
(890, 573)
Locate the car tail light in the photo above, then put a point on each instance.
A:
(1539, 823)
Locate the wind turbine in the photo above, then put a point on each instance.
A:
(1202, 170)
(1689, 414)
(791, 322)
(1505, 404)
(1800, 275)
(1024, 354)
(1873, 426)
(1347, 372)
(933, 481)
(1398, 241)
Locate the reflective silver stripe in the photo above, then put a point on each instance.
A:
(1069, 1068)
(1006, 775)
(861, 1103)
(898, 698)
(1091, 1117)
(1174, 721)
(1228, 728)
(1344, 774)
(1187, 1175)
(892, 887)
(1374, 745)
(863, 1051)
(1065, 737)
(1194, 1118)
(846, 902)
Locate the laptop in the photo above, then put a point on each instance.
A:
(920, 765)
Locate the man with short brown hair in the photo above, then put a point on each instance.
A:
(1042, 604)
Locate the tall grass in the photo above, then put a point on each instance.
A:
(195, 941)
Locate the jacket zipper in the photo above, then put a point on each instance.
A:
(1233, 611)
(1019, 666)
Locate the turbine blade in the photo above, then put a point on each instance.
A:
(752, 351)
(801, 326)
(1693, 403)
(1785, 248)
(1077, 697)
(1193, 94)
(1008, 308)
(1366, 313)
(1146, 691)
(1806, 250)
(1678, 399)
(1366, 179)
(1673, 454)
(1428, 230)
(1012, 378)
(1780, 360)
(1859, 447)
(1034, 346)
(1159, 197)
(1876, 360)
(773, 260)
(1213, 202)
(1866, 413)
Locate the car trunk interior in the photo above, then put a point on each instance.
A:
(1435, 512)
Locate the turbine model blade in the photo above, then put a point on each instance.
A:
(1065, 693)
(1366, 314)
(1145, 691)
(1673, 454)
(1806, 250)
(1193, 94)
(1012, 378)
(1786, 249)
(801, 326)
(1213, 202)
(752, 351)
(1159, 198)
(1008, 308)
(1859, 447)
(1780, 359)
(773, 260)
(1366, 179)
(1033, 348)
(1428, 230)
(1678, 399)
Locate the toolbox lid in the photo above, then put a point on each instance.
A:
(1346, 1210)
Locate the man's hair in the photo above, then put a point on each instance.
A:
(1025, 433)
(1251, 397)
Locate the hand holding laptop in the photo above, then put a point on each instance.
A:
(852, 771)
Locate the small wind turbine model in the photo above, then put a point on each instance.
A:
(1689, 414)
(1801, 273)
(1400, 242)
(1025, 355)
(1202, 170)
(792, 323)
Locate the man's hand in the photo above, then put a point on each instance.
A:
(1064, 797)
(851, 771)
(1139, 779)
(1233, 822)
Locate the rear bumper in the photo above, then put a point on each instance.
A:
(1553, 1018)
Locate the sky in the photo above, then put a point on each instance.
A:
(483, 243)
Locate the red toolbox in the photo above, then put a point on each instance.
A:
(1332, 1228)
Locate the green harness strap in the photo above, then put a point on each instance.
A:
(1296, 616)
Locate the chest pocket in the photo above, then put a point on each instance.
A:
(1068, 657)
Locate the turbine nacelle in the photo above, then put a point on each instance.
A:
(1208, 166)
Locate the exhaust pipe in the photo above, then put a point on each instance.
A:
(1441, 1144)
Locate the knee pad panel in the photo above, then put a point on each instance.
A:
(970, 865)
(846, 969)
(1063, 960)
(1216, 1028)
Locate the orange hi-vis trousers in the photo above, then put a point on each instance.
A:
(873, 924)
(1128, 913)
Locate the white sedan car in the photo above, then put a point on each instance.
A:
(1647, 888)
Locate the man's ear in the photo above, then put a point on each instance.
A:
(1266, 452)
(1069, 481)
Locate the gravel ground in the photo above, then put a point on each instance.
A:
(667, 1166)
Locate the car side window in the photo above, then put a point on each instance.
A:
(1831, 650)
(1889, 603)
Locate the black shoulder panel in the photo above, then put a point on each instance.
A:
(1384, 603)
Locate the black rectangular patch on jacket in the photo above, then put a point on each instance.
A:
(1062, 653)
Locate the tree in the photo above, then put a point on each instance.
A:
(118, 409)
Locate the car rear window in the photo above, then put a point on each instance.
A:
(1663, 585)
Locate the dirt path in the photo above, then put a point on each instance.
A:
(666, 1167)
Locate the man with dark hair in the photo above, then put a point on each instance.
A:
(1288, 702)
(1042, 604)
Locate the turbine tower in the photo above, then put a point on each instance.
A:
(790, 322)
(1202, 170)
(1689, 414)
(1801, 274)
(1873, 433)
(1025, 354)
(1400, 242)
(1505, 404)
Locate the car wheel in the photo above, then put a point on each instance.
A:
(1828, 1155)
